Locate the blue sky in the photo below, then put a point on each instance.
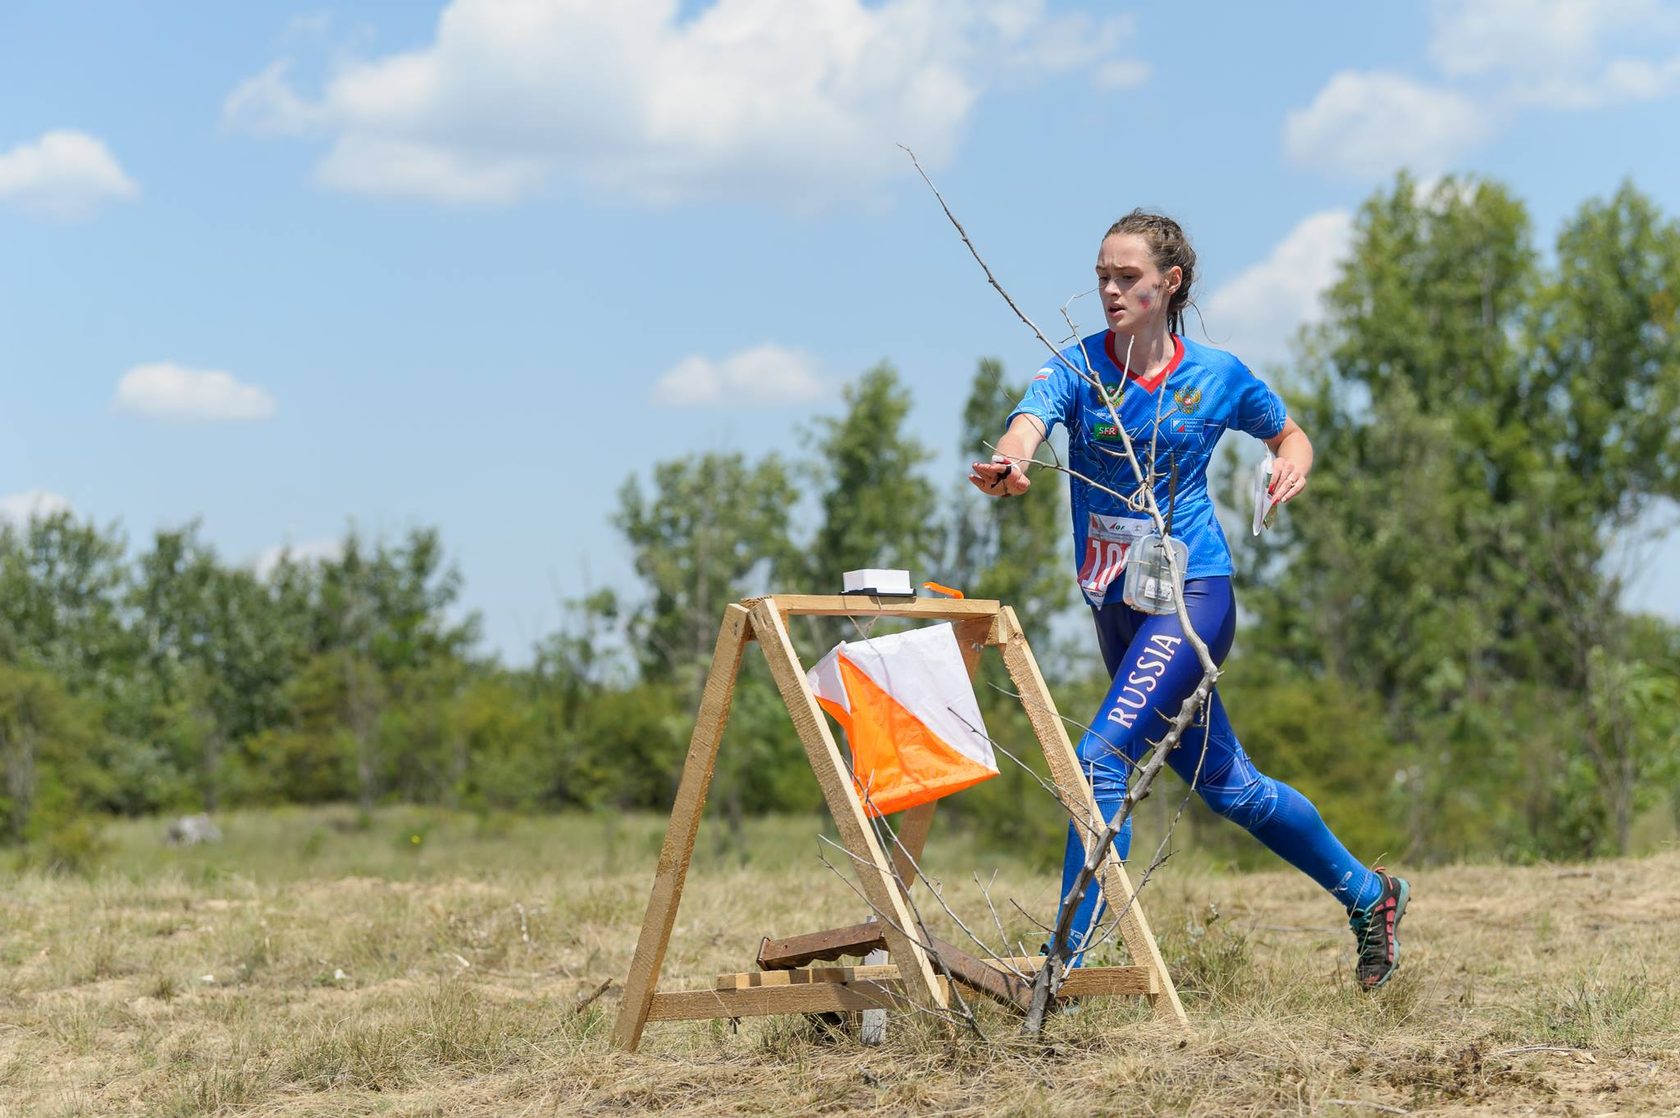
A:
(286, 266)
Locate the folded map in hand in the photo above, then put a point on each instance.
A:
(1265, 507)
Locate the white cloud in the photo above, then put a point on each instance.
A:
(1257, 313)
(21, 508)
(1489, 36)
(64, 174)
(1122, 73)
(1561, 53)
(1496, 59)
(305, 551)
(1368, 124)
(266, 105)
(764, 376)
(755, 100)
(165, 390)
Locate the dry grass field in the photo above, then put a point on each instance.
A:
(422, 963)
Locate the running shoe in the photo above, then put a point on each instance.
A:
(1376, 929)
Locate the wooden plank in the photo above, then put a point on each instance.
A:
(1090, 982)
(1026, 964)
(747, 980)
(765, 1001)
(865, 605)
(824, 946)
(863, 972)
(874, 871)
(1087, 981)
(678, 848)
(1076, 791)
(976, 974)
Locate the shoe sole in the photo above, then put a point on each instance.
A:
(1394, 933)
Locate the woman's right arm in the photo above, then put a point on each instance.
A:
(1006, 475)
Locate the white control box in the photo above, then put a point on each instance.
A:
(881, 583)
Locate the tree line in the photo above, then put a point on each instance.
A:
(1435, 647)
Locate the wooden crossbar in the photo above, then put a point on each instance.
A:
(870, 605)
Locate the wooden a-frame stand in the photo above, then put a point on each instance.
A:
(787, 984)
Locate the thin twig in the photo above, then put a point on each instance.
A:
(585, 1002)
(974, 252)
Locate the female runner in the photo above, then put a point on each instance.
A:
(1177, 397)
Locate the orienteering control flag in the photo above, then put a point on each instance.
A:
(908, 709)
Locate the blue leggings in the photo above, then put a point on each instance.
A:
(1154, 669)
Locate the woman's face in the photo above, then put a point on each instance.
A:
(1135, 293)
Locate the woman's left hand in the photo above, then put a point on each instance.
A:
(1288, 480)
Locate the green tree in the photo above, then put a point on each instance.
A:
(1485, 429)
(46, 771)
(499, 760)
(1604, 386)
(383, 653)
(62, 584)
(708, 525)
(215, 646)
(878, 509)
(1634, 719)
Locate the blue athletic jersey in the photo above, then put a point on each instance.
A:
(1203, 393)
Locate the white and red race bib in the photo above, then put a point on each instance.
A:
(1107, 540)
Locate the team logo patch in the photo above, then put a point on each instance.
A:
(1188, 400)
(1110, 393)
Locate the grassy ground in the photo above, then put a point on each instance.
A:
(427, 964)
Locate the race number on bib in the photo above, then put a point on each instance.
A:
(1107, 540)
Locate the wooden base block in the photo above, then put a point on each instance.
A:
(748, 980)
